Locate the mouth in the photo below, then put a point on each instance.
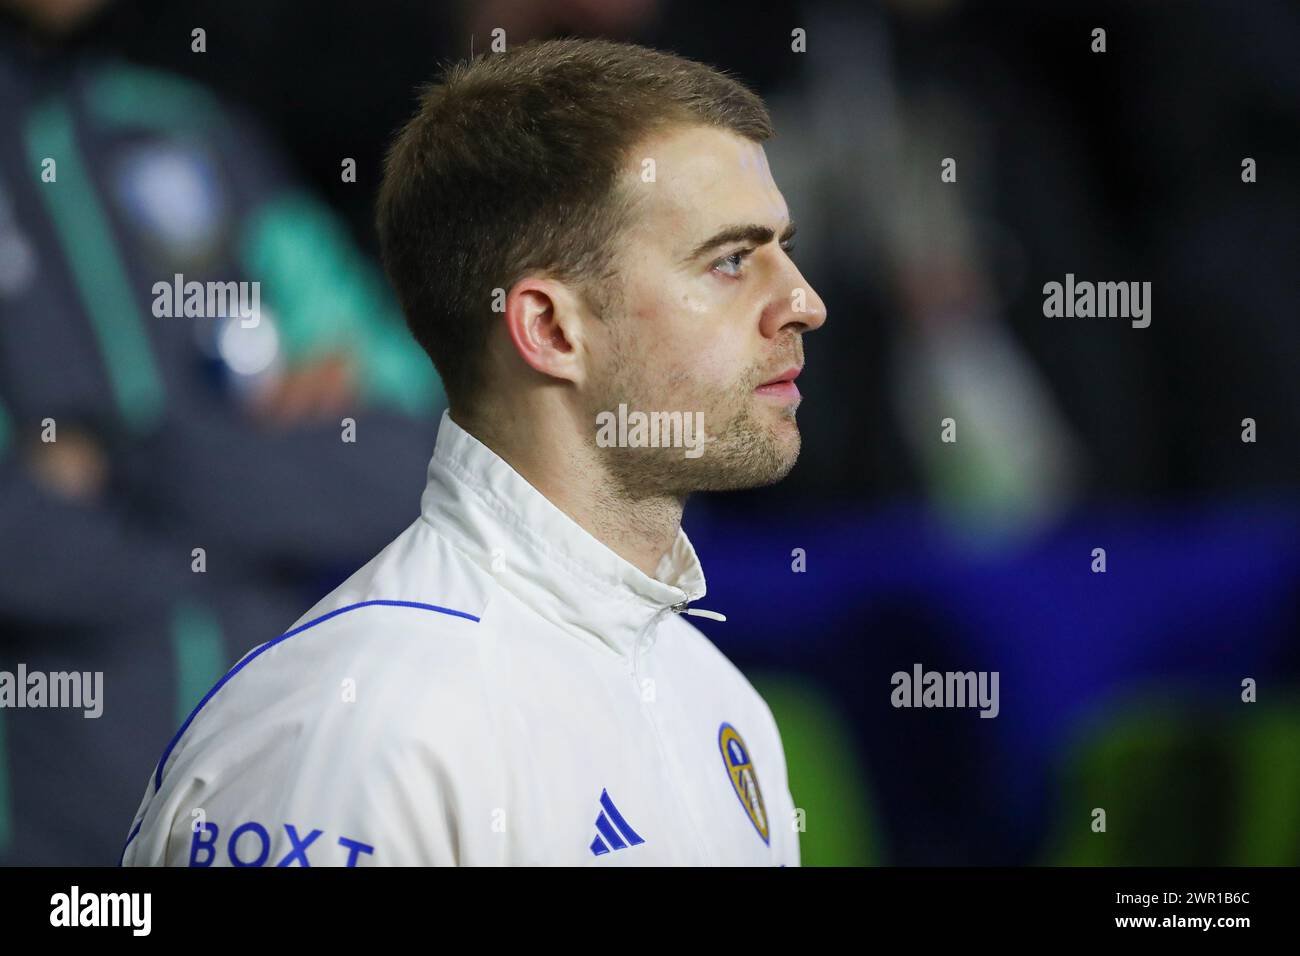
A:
(782, 386)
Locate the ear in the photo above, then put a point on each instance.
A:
(544, 321)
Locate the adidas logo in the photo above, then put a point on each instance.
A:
(611, 825)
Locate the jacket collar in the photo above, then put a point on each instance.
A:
(546, 559)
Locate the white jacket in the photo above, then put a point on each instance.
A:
(494, 687)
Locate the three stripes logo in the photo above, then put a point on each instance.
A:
(611, 826)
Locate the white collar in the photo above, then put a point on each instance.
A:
(541, 555)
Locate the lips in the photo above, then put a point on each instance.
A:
(789, 375)
(782, 387)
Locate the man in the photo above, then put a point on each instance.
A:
(579, 231)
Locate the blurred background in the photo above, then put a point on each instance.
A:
(885, 548)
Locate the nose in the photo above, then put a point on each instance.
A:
(795, 306)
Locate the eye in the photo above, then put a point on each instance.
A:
(735, 260)
(731, 265)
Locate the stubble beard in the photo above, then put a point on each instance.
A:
(741, 450)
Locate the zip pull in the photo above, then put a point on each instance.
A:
(711, 615)
(699, 612)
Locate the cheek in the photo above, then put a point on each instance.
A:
(718, 356)
(717, 369)
(690, 348)
(702, 379)
(695, 356)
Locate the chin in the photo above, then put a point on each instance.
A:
(781, 453)
(787, 462)
(785, 433)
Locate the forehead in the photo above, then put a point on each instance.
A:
(703, 178)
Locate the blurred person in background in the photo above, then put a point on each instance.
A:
(169, 485)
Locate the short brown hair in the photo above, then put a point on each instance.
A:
(510, 166)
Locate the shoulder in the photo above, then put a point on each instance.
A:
(369, 725)
(367, 720)
(411, 616)
(386, 659)
(418, 571)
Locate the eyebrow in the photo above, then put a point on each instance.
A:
(751, 232)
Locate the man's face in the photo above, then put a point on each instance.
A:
(709, 311)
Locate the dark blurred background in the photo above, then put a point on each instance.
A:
(1119, 690)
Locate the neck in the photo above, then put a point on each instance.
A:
(545, 446)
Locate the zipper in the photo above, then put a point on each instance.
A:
(684, 810)
(640, 638)
(684, 607)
